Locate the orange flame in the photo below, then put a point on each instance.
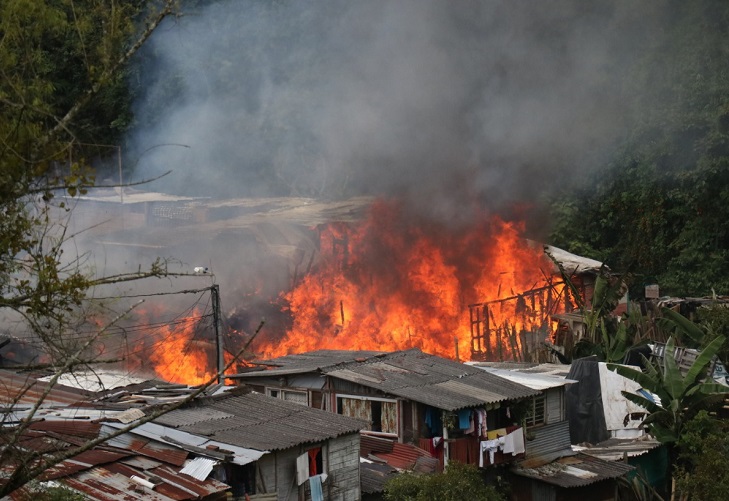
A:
(388, 284)
(179, 352)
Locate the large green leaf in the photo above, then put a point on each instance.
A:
(647, 404)
(672, 377)
(700, 365)
(681, 325)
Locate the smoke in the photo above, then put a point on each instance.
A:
(451, 105)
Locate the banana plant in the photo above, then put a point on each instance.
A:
(680, 396)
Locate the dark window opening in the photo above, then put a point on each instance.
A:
(316, 463)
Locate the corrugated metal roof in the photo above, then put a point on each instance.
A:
(199, 468)
(307, 362)
(374, 476)
(17, 389)
(575, 471)
(70, 427)
(547, 369)
(402, 456)
(260, 422)
(531, 380)
(432, 380)
(84, 461)
(196, 443)
(114, 482)
(615, 449)
(148, 447)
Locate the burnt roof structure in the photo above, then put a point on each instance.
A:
(312, 361)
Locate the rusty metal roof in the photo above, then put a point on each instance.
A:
(114, 482)
(259, 422)
(22, 389)
(429, 379)
(374, 476)
(575, 471)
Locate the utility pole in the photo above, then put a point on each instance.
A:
(215, 295)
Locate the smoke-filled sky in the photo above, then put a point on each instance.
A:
(449, 104)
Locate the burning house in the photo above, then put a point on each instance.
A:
(360, 274)
(452, 410)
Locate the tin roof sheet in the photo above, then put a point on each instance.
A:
(575, 471)
(534, 381)
(614, 449)
(374, 476)
(17, 389)
(432, 380)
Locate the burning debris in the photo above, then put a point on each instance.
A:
(392, 283)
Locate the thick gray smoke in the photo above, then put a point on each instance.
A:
(449, 104)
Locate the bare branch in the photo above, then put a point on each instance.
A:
(20, 477)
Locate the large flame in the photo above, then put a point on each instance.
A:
(391, 284)
(181, 351)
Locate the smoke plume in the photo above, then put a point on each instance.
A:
(453, 106)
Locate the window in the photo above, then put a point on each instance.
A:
(535, 414)
(381, 413)
(309, 464)
(299, 397)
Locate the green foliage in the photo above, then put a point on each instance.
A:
(703, 471)
(605, 335)
(681, 396)
(658, 206)
(456, 483)
(712, 323)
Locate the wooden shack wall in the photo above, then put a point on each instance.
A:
(343, 483)
(277, 471)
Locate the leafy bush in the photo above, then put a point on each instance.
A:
(456, 483)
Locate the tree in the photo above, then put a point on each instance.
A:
(456, 483)
(680, 397)
(703, 472)
(58, 61)
(657, 205)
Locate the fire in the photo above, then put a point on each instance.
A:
(182, 351)
(390, 284)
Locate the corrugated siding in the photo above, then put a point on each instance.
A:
(555, 405)
(548, 439)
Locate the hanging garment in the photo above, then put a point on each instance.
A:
(519, 446)
(317, 493)
(490, 446)
(464, 417)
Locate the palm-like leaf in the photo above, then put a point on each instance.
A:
(644, 402)
(680, 395)
(681, 325)
(672, 378)
(651, 384)
(700, 365)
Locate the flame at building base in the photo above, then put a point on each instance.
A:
(393, 282)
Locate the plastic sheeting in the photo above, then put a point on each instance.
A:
(585, 410)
